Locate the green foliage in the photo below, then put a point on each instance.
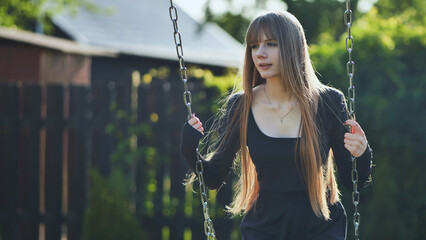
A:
(126, 132)
(234, 24)
(17, 13)
(388, 8)
(24, 14)
(319, 16)
(110, 214)
(222, 82)
(391, 81)
(214, 85)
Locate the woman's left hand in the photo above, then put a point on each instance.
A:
(356, 141)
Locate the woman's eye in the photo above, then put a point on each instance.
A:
(272, 44)
(254, 46)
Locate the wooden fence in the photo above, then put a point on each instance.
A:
(51, 135)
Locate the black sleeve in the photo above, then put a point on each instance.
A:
(218, 167)
(341, 155)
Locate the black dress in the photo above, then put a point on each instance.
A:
(282, 210)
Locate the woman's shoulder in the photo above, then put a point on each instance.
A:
(331, 95)
(230, 103)
(236, 96)
(332, 103)
(233, 99)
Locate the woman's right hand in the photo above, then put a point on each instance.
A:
(195, 123)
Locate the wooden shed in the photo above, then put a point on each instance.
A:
(33, 58)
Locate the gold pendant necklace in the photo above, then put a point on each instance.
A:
(276, 109)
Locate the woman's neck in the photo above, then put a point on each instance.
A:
(276, 92)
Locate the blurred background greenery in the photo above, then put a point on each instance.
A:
(390, 80)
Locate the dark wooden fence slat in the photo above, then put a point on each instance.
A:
(9, 115)
(54, 155)
(102, 143)
(28, 163)
(141, 179)
(149, 102)
(78, 159)
(156, 94)
(162, 143)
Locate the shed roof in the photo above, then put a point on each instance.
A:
(54, 43)
(144, 28)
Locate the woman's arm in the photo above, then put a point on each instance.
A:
(345, 144)
(218, 167)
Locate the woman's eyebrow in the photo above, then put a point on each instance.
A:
(265, 40)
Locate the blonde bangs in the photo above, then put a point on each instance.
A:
(257, 29)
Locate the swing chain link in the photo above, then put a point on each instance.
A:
(187, 98)
(350, 70)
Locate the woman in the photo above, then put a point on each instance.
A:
(283, 125)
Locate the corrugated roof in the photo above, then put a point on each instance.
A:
(54, 43)
(144, 28)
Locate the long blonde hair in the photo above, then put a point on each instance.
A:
(299, 77)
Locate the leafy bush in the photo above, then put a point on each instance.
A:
(110, 215)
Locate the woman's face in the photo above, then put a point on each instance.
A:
(266, 57)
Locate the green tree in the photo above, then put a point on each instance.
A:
(234, 24)
(388, 8)
(320, 16)
(24, 14)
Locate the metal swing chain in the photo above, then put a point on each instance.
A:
(208, 223)
(350, 70)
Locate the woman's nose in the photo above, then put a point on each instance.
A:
(260, 53)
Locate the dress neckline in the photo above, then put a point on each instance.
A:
(263, 134)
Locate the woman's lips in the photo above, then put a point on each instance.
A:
(265, 66)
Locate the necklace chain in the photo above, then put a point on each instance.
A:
(276, 109)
